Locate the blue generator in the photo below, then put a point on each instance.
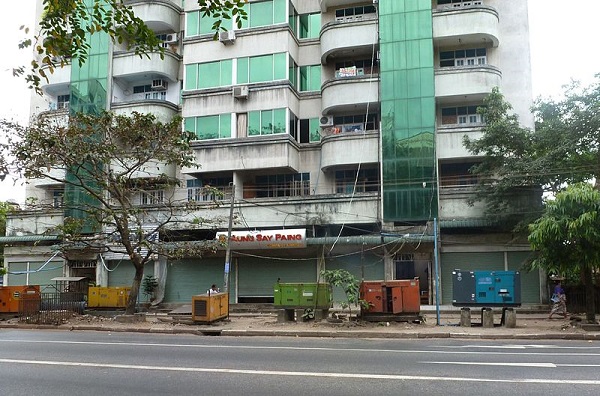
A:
(486, 288)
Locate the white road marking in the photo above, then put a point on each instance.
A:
(326, 349)
(577, 365)
(391, 377)
(516, 346)
(543, 365)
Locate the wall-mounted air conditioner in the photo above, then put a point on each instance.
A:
(240, 92)
(326, 121)
(159, 85)
(171, 38)
(227, 37)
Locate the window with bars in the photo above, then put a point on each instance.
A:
(283, 185)
(462, 115)
(367, 180)
(152, 197)
(466, 57)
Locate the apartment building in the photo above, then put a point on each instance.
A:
(336, 125)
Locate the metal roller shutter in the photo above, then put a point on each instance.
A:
(466, 261)
(371, 265)
(51, 270)
(530, 281)
(256, 277)
(187, 278)
(122, 272)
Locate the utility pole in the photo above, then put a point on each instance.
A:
(228, 248)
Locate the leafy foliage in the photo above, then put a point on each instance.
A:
(66, 24)
(567, 236)
(109, 161)
(350, 285)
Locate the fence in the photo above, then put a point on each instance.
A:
(576, 299)
(51, 308)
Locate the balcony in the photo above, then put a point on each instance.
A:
(449, 140)
(475, 25)
(151, 170)
(262, 152)
(162, 109)
(350, 95)
(58, 82)
(58, 174)
(340, 40)
(360, 147)
(159, 15)
(455, 84)
(325, 4)
(130, 67)
(33, 222)
(454, 205)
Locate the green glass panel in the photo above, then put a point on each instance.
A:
(315, 134)
(261, 14)
(304, 26)
(226, 72)
(207, 23)
(191, 76)
(208, 74)
(407, 110)
(279, 120)
(190, 124)
(315, 26)
(225, 126)
(208, 127)
(261, 68)
(191, 24)
(242, 70)
(253, 123)
(280, 66)
(266, 122)
(315, 78)
(304, 71)
(279, 11)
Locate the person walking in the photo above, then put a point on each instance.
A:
(559, 301)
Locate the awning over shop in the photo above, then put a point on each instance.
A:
(28, 238)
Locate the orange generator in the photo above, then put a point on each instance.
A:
(391, 300)
(10, 296)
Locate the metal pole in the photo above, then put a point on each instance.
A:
(228, 249)
(437, 272)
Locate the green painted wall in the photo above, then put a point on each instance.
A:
(407, 96)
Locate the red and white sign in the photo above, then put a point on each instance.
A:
(271, 239)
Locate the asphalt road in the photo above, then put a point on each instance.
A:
(97, 363)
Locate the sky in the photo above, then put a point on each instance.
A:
(563, 47)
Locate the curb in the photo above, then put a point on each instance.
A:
(317, 334)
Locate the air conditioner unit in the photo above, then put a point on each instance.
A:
(227, 37)
(326, 121)
(159, 85)
(240, 92)
(171, 38)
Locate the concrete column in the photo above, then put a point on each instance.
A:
(510, 318)
(388, 266)
(238, 185)
(465, 317)
(487, 317)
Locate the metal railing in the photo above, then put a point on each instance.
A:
(51, 308)
(576, 299)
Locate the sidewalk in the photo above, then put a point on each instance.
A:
(530, 326)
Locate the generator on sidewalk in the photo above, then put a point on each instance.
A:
(395, 300)
(210, 307)
(486, 288)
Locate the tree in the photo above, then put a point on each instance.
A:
(567, 237)
(66, 24)
(105, 162)
(350, 285)
(4, 210)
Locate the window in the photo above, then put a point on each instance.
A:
(354, 13)
(197, 24)
(356, 123)
(310, 78)
(141, 92)
(310, 131)
(209, 189)
(459, 3)
(309, 26)
(366, 181)
(262, 68)
(62, 101)
(463, 115)
(294, 185)
(457, 174)
(469, 57)
(358, 67)
(210, 127)
(208, 75)
(293, 72)
(152, 197)
(266, 122)
(57, 198)
(265, 13)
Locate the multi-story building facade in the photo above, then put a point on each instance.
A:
(336, 123)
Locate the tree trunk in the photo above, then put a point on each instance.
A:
(135, 289)
(590, 301)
